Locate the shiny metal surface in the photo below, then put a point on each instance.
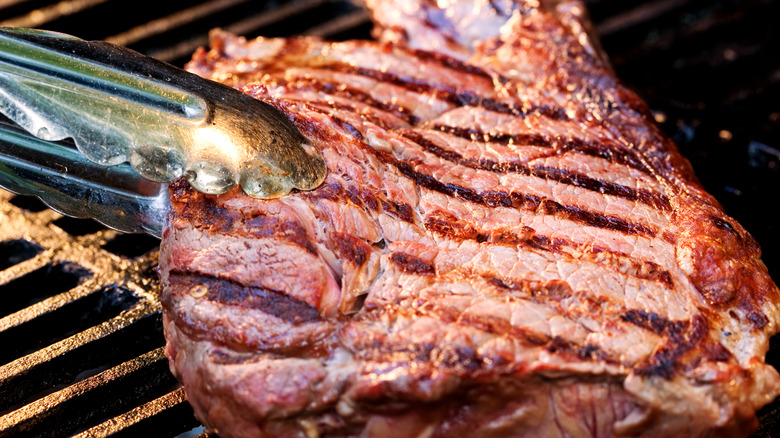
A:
(120, 106)
(66, 181)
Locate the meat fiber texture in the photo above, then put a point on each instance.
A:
(505, 245)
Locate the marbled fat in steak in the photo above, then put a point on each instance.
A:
(505, 246)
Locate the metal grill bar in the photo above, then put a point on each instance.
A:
(243, 26)
(643, 13)
(136, 416)
(178, 19)
(47, 14)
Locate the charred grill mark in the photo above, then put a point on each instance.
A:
(352, 94)
(334, 191)
(447, 225)
(275, 303)
(351, 248)
(759, 320)
(412, 265)
(536, 204)
(352, 109)
(465, 359)
(533, 203)
(459, 359)
(449, 94)
(370, 200)
(455, 64)
(503, 327)
(203, 211)
(685, 343)
(548, 173)
(294, 232)
(652, 322)
(584, 352)
(399, 210)
(608, 152)
(555, 290)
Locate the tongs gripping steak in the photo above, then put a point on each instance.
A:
(505, 245)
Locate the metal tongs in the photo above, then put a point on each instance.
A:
(119, 106)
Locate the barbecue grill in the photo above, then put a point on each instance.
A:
(81, 344)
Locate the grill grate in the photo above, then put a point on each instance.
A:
(80, 322)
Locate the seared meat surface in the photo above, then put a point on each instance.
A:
(505, 246)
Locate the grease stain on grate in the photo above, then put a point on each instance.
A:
(40, 284)
(13, 252)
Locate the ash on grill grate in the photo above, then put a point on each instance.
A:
(83, 346)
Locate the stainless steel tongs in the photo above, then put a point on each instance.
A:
(119, 106)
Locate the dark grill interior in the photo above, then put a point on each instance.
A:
(80, 325)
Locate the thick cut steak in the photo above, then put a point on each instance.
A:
(505, 246)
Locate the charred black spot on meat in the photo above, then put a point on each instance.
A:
(295, 232)
(585, 352)
(724, 225)
(651, 321)
(555, 290)
(370, 200)
(351, 248)
(398, 210)
(445, 223)
(203, 210)
(412, 265)
(353, 194)
(462, 359)
(680, 340)
(717, 353)
(759, 320)
(262, 226)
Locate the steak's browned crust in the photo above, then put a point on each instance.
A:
(505, 245)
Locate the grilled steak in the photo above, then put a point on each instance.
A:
(505, 246)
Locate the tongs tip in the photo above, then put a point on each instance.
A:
(119, 106)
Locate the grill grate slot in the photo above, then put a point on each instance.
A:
(16, 251)
(73, 317)
(165, 416)
(78, 227)
(131, 245)
(39, 284)
(33, 205)
(108, 394)
(69, 361)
